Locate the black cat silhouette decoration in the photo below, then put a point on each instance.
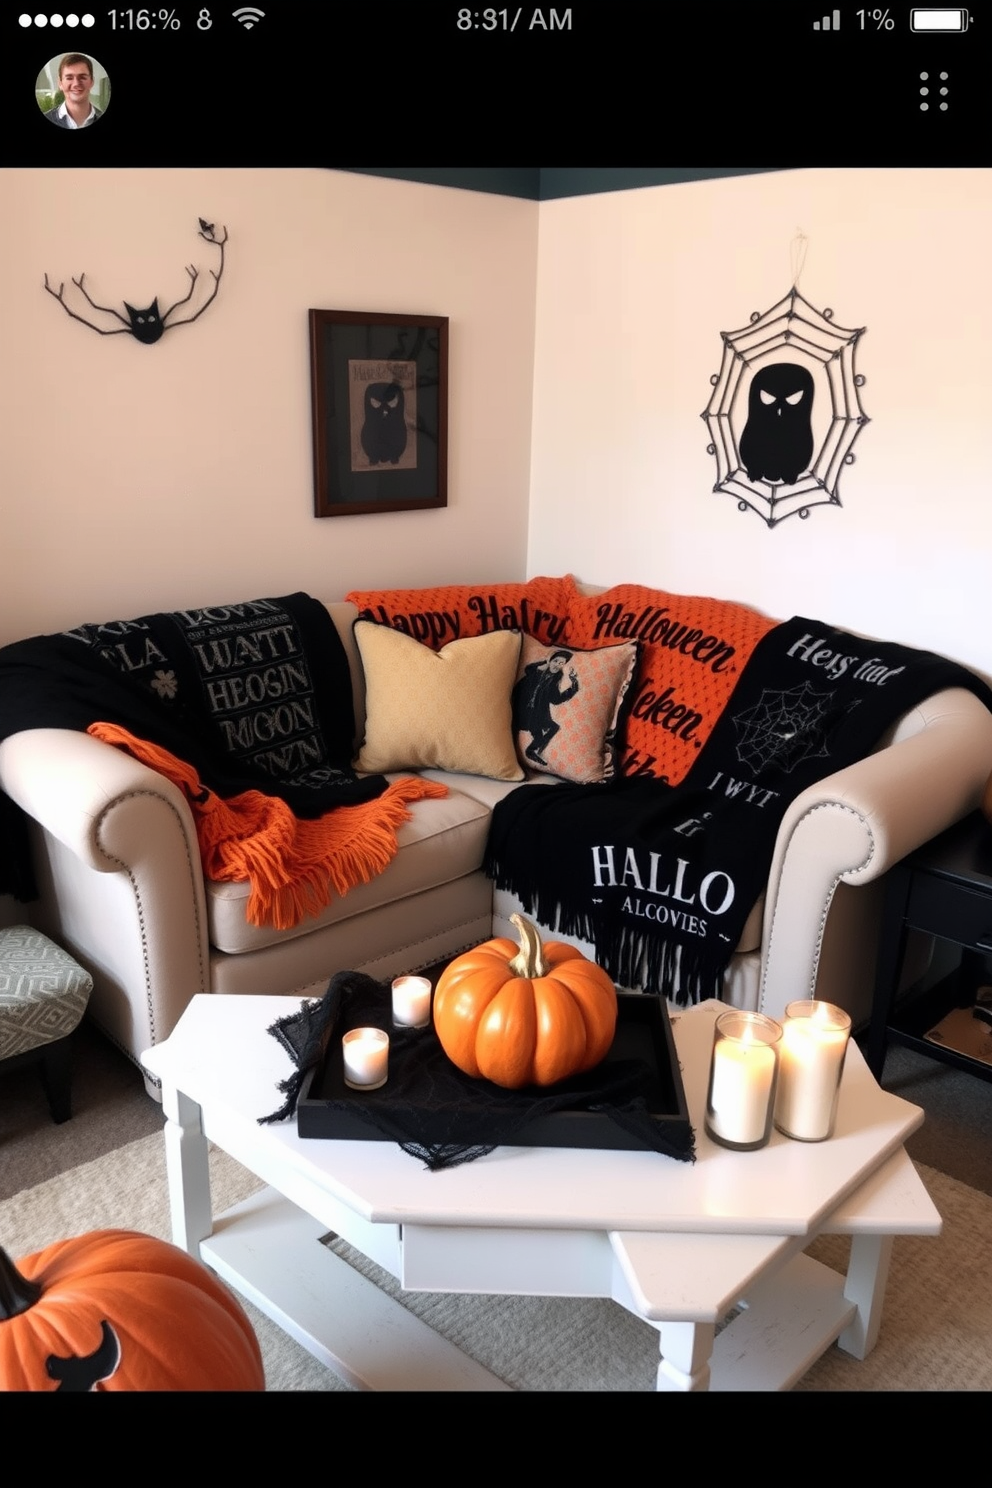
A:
(777, 440)
(80, 1374)
(148, 325)
(384, 429)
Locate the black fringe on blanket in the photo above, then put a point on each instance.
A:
(634, 960)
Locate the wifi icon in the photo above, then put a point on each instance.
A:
(248, 15)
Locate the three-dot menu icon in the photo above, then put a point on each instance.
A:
(934, 92)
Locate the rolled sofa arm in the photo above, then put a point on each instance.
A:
(69, 783)
(851, 827)
(119, 876)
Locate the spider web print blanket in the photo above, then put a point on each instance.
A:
(661, 878)
(248, 704)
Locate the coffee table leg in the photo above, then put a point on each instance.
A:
(188, 1170)
(685, 1356)
(867, 1275)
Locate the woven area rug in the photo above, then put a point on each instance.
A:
(936, 1329)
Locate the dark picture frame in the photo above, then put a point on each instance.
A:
(379, 399)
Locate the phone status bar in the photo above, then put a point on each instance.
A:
(929, 20)
(130, 19)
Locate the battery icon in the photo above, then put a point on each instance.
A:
(938, 20)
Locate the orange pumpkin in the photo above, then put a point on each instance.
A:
(531, 1014)
(116, 1310)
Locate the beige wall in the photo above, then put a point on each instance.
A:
(135, 478)
(634, 289)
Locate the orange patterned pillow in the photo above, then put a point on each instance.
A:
(450, 612)
(565, 708)
(692, 650)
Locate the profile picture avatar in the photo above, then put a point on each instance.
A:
(73, 91)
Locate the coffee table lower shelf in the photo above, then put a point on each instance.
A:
(269, 1251)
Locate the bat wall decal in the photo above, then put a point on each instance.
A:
(148, 324)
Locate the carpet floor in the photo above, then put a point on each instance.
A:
(935, 1332)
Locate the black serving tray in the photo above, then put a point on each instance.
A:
(643, 1052)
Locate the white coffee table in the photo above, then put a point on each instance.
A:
(678, 1244)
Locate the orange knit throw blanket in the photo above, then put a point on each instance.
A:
(294, 866)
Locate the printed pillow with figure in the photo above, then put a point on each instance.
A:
(566, 707)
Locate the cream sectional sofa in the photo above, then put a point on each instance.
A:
(122, 888)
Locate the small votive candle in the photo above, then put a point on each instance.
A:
(743, 1070)
(366, 1058)
(411, 1002)
(814, 1043)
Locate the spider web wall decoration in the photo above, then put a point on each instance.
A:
(809, 339)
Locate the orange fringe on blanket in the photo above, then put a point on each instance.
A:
(294, 866)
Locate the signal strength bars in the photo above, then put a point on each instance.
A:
(828, 23)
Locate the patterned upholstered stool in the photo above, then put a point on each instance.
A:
(43, 995)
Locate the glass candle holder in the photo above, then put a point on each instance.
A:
(366, 1058)
(811, 1060)
(743, 1069)
(411, 1002)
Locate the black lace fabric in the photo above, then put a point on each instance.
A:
(443, 1117)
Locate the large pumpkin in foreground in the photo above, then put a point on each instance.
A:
(116, 1310)
(531, 1014)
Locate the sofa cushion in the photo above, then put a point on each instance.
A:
(565, 708)
(448, 709)
(443, 841)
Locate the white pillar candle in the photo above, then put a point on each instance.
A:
(366, 1058)
(411, 1002)
(811, 1060)
(742, 1079)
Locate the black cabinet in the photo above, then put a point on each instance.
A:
(944, 889)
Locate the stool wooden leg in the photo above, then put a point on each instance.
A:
(56, 1075)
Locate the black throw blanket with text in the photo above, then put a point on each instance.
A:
(255, 696)
(661, 878)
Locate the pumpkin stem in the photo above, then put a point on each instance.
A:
(17, 1294)
(529, 961)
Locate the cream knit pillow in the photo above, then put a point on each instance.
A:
(445, 710)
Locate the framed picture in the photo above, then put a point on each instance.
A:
(379, 392)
